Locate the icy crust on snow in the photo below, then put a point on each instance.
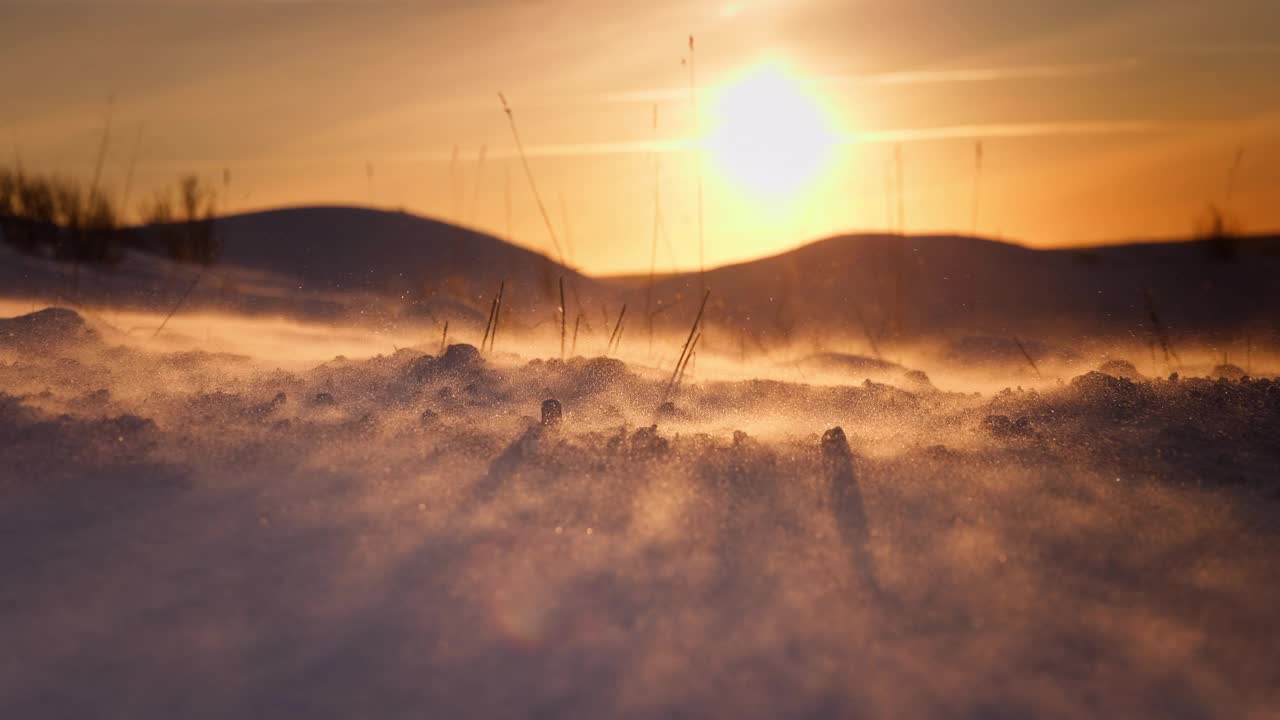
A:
(202, 535)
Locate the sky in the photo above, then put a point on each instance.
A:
(1098, 120)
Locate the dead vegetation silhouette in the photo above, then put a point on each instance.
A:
(59, 219)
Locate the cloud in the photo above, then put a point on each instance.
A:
(946, 132)
(992, 74)
(907, 77)
(1003, 130)
(1230, 49)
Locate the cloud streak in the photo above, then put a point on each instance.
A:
(1246, 49)
(868, 137)
(1003, 130)
(908, 77)
(996, 74)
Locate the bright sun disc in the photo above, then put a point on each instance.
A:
(769, 134)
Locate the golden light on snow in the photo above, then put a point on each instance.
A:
(770, 134)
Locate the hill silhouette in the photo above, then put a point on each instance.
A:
(372, 264)
(322, 260)
(914, 286)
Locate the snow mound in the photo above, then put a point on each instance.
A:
(849, 363)
(1227, 371)
(44, 329)
(1120, 368)
(456, 359)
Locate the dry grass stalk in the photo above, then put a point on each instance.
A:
(661, 309)
(173, 311)
(97, 179)
(615, 337)
(133, 163)
(693, 331)
(542, 208)
(1027, 355)
(687, 359)
(488, 323)
(1158, 330)
(444, 338)
(573, 350)
(102, 149)
(693, 100)
(563, 323)
(497, 314)
(498, 317)
(657, 209)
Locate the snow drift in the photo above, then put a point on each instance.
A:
(196, 534)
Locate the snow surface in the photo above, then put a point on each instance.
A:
(190, 533)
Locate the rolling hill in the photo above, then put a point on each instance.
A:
(334, 262)
(362, 264)
(925, 286)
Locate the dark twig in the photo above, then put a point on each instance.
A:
(178, 304)
(1027, 355)
(542, 208)
(688, 341)
(693, 100)
(563, 319)
(497, 315)
(616, 336)
(488, 323)
(1157, 328)
(687, 359)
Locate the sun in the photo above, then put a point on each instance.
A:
(769, 133)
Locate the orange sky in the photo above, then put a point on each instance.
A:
(1100, 120)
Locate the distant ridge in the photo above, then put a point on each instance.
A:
(1266, 244)
(324, 261)
(917, 286)
(366, 264)
(351, 248)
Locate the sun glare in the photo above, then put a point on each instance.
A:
(770, 134)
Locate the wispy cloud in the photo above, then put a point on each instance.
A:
(1230, 49)
(993, 74)
(1063, 71)
(903, 135)
(1003, 130)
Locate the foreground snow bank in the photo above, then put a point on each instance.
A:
(201, 535)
